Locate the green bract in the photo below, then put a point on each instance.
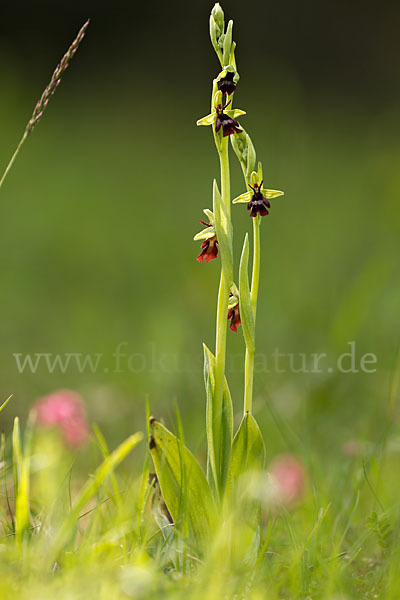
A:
(223, 228)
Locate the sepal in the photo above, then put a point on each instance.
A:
(207, 120)
(246, 197)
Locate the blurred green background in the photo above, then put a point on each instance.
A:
(99, 212)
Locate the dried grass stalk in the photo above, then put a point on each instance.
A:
(47, 94)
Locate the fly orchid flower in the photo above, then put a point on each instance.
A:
(209, 247)
(222, 118)
(233, 309)
(227, 80)
(258, 199)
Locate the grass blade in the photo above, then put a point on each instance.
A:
(89, 490)
(5, 403)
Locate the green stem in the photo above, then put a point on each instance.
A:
(248, 381)
(14, 156)
(249, 360)
(221, 325)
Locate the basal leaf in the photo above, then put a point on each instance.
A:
(183, 485)
(219, 431)
(248, 449)
(247, 462)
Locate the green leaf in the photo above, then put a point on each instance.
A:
(183, 485)
(223, 228)
(246, 311)
(248, 449)
(247, 462)
(219, 432)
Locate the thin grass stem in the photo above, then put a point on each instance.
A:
(45, 97)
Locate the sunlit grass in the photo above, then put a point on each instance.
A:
(102, 538)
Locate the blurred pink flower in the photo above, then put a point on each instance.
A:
(287, 475)
(66, 410)
(352, 448)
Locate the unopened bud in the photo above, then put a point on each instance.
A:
(218, 16)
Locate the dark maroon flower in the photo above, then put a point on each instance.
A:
(209, 250)
(226, 85)
(229, 124)
(258, 204)
(234, 315)
(209, 246)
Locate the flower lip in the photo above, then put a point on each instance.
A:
(229, 124)
(234, 311)
(209, 250)
(226, 85)
(258, 203)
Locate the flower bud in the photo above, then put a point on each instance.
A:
(218, 98)
(244, 150)
(217, 25)
(217, 15)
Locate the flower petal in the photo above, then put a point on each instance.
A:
(272, 193)
(210, 215)
(243, 198)
(235, 113)
(207, 120)
(233, 301)
(205, 234)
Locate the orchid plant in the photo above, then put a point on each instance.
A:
(195, 500)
